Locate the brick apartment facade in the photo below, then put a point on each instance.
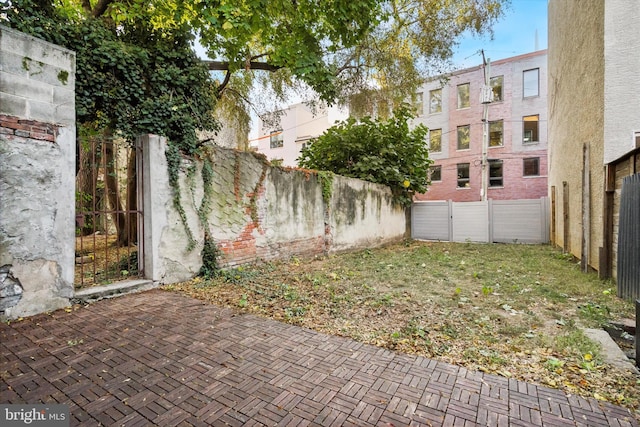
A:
(517, 152)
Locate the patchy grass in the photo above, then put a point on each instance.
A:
(511, 310)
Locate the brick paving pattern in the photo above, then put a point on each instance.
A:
(159, 358)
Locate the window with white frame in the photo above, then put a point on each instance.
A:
(464, 137)
(275, 139)
(419, 104)
(496, 134)
(530, 133)
(496, 87)
(435, 101)
(531, 83)
(435, 140)
(463, 175)
(463, 96)
(495, 173)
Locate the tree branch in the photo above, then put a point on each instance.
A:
(224, 83)
(100, 8)
(252, 65)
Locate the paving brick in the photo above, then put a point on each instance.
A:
(144, 360)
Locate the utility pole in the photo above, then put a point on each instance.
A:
(486, 96)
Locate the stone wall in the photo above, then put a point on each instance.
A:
(37, 147)
(258, 212)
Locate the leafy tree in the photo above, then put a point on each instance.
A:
(386, 152)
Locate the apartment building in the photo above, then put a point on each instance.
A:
(283, 134)
(450, 106)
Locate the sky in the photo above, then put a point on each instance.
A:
(514, 34)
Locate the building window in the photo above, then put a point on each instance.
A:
(495, 134)
(435, 101)
(418, 105)
(530, 83)
(531, 166)
(464, 137)
(530, 129)
(435, 173)
(463, 96)
(496, 87)
(495, 173)
(435, 140)
(463, 175)
(275, 139)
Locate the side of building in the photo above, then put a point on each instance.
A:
(283, 134)
(517, 149)
(594, 137)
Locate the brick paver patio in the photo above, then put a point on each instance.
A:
(159, 358)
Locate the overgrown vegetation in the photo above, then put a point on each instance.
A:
(382, 151)
(511, 310)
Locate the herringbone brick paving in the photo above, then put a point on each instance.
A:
(159, 358)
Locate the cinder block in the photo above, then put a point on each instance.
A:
(13, 63)
(26, 88)
(13, 105)
(36, 50)
(65, 114)
(42, 111)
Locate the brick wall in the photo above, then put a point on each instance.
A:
(32, 129)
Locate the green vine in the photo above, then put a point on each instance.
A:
(174, 161)
(210, 256)
(253, 200)
(326, 182)
(207, 180)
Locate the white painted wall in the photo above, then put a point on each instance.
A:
(299, 123)
(621, 77)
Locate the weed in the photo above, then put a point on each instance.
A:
(242, 303)
(486, 289)
(383, 300)
(595, 313)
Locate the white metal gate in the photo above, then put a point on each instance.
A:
(506, 221)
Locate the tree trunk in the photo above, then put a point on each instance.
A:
(86, 183)
(132, 197)
(112, 190)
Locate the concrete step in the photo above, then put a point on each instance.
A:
(111, 290)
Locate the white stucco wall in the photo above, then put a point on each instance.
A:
(37, 172)
(258, 212)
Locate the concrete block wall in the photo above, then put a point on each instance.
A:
(37, 79)
(258, 212)
(37, 175)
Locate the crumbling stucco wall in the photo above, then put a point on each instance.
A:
(257, 212)
(37, 148)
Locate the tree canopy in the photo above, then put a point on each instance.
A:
(131, 78)
(386, 152)
(338, 47)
